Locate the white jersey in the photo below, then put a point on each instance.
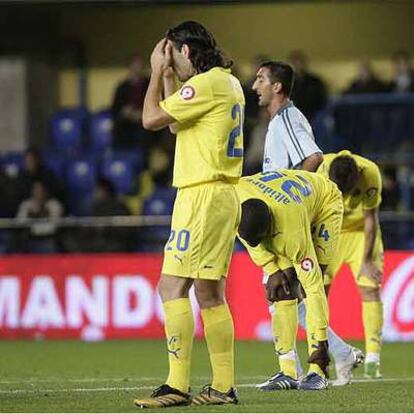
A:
(289, 140)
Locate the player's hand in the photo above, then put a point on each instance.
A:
(370, 269)
(277, 286)
(161, 56)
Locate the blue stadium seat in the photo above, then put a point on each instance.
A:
(12, 163)
(160, 203)
(81, 175)
(80, 180)
(120, 173)
(66, 129)
(55, 162)
(135, 156)
(100, 131)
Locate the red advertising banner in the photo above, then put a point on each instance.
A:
(94, 297)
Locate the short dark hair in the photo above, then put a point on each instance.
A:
(255, 221)
(281, 72)
(204, 53)
(344, 172)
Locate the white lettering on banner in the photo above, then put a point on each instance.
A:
(9, 301)
(42, 309)
(406, 306)
(126, 314)
(82, 301)
(398, 298)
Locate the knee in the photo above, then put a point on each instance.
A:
(173, 288)
(369, 294)
(209, 298)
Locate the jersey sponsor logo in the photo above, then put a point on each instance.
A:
(372, 192)
(307, 264)
(187, 93)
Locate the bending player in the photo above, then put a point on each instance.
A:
(360, 243)
(278, 210)
(207, 114)
(290, 144)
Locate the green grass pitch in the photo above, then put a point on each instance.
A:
(71, 376)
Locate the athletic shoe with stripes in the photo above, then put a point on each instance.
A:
(164, 396)
(313, 382)
(279, 381)
(210, 396)
(344, 367)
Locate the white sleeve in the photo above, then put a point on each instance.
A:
(298, 137)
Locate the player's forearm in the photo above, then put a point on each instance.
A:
(312, 162)
(310, 276)
(170, 86)
(151, 109)
(261, 257)
(370, 230)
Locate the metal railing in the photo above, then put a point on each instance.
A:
(144, 221)
(142, 233)
(93, 221)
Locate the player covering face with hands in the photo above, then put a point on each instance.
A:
(206, 113)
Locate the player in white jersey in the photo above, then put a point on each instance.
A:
(289, 140)
(290, 143)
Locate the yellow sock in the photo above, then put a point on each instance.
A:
(179, 329)
(317, 326)
(219, 333)
(284, 329)
(316, 368)
(372, 316)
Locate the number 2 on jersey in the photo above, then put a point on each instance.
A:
(182, 241)
(237, 113)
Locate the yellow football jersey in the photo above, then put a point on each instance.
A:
(366, 195)
(209, 109)
(295, 198)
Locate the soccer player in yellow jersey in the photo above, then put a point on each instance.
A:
(279, 210)
(207, 115)
(360, 243)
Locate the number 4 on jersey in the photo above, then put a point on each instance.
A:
(323, 232)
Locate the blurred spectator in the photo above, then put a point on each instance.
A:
(158, 175)
(160, 167)
(33, 170)
(105, 201)
(403, 80)
(9, 194)
(390, 189)
(127, 108)
(309, 91)
(366, 81)
(39, 238)
(106, 204)
(253, 160)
